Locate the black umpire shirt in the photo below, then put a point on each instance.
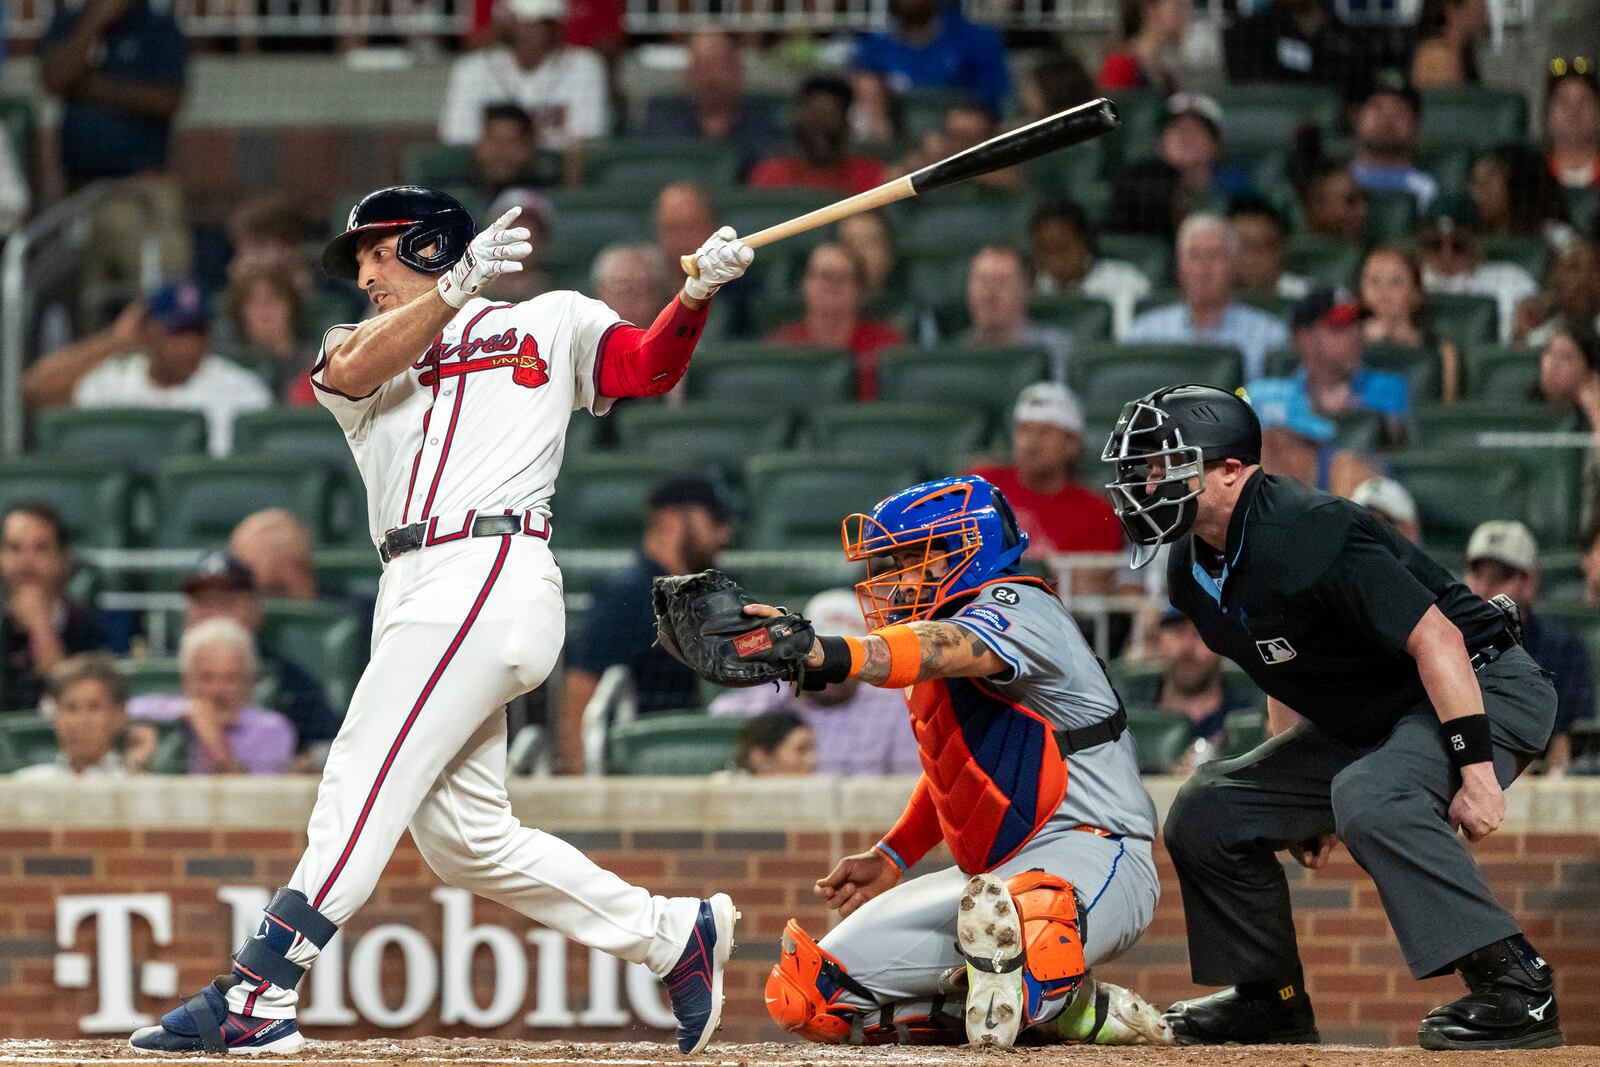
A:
(1316, 599)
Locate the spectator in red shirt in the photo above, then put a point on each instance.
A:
(822, 159)
(833, 289)
(1151, 31)
(1058, 514)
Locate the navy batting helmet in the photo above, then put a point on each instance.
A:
(422, 217)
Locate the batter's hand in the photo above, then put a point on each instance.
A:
(720, 260)
(1312, 854)
(856, 880)
(1479, 806)
(498, 250)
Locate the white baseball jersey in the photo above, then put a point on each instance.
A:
(478, 425)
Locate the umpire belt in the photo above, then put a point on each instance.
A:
(403, 539)
(1502, 643)
(1096, 733)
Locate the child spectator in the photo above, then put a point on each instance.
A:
(777, 744)
(1394, 312)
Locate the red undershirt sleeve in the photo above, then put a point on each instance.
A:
(635, 362)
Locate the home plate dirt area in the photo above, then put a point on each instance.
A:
(468, 1053)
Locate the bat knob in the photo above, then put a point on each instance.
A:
(690, 267)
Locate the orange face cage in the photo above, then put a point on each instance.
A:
(908, 573)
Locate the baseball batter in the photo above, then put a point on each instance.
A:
(456, 409)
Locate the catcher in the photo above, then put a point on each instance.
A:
(1009, 706)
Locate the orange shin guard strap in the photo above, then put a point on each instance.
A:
(794, 999)
(905, 655)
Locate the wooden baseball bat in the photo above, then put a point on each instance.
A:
(1072, 126)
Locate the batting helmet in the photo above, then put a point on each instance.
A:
(1161, 442)
(422, 217)
(964, 522)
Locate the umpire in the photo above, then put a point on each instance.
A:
(1399, 706)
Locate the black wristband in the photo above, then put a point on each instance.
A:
(835, 662)
(1467, 740)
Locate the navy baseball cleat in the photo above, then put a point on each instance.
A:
(695, 981)
(203, 1023)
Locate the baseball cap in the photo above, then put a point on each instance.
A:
(1504, 541)
(220, 572)
(1280, 403)
(1322, 307)
(533, 10)
(178, 307)
(836, 611)
(1202, 107)
(1051, 403)
(1388, 497)
(689, 491)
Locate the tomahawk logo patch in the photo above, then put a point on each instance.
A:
(1276, 650)
(988, 615)
(1005, 594)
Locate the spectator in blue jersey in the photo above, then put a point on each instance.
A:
(934, 46)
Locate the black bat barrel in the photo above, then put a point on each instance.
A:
(1072, 126)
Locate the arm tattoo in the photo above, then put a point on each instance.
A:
(947, 650)
(941, 642)
(875, 670)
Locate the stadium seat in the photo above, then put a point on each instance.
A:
(1160, 737)
(1108, 376)
(1086, 318)
(786, 378)
(1151, 255)
(648, 163)
(1532, 254)
(678, 746)
(798, 499)
(1359, 430)
(1455, 490)
(934, 438)
(25, 739)
(600, 498)
(1464, 319)
(1582, 620)
(348, 572)
(1561, 577)
(1583, 205)
(306, 432)
(582, 232)
(1138, 129)
(1464, 425)
(1419, 367)
(326, 639)
(1391, 216)
(131, 438)
(792, 580)
(1473, 116)
(435, 166)
(1500, 374)
(94, 499)
(1325, 260)
(959, 227)
(1065, 173)
(701, 433)
(200, 501)
(988, 379)
(939, 280)
(150, 674)
(1266, 116)
(18, 116)
(922, 109)
(1243, 731)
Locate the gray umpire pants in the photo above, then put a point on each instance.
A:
(1388, 805)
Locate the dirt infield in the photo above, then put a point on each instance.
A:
(471, 1053)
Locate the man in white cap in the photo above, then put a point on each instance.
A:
(860, 729)
(564, 89)
(1503, 557)
(1391, 502)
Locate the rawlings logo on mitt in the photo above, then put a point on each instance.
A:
(700, 621)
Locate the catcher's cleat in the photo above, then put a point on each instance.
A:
(1107, 1014)
(695, 981)
(1511, 1003)
(204, 1024)
(1231, 1017)
(989, 933)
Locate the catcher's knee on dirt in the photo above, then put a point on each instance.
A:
(805, 996)
(1053, 926)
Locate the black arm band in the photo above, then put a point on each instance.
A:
(1467, 740)
(835, 661)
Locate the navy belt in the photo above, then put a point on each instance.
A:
(1502, 643)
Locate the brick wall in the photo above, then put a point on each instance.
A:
(1354, 971)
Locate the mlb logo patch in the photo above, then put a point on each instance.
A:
(1276, 650)
(751, 643)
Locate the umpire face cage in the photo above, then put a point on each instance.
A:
(1159, 478)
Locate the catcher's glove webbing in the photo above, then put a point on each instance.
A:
(700, 621)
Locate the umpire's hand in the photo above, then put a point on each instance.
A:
(1479, 806)
(856, 880)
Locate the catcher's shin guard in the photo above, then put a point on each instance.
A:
(1023, 943)
(805, 996)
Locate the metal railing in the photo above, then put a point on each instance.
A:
(61, 231)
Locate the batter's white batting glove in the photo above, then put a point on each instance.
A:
(719, 261)
(498, 250)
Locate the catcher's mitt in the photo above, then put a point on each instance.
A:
(700, 621)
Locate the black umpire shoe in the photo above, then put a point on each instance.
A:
(1510, 1003)
(1230, 1016)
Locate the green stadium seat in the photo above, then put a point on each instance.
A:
(1561, 577)
(1325, 260)
(701, 433)
(326, 639)
(797, 500)
(748, 210)
(679, 746)
(582, 232)
(1418, 366)
(931, 437)
(648, 163)
(1391, 216)
(132, 438)
(1160, 737)
(600, 498)
(938, 280)
(1138, 129)
(989, 379)
(1474, 116)
(1243, 731)
(435, 165)
(790, 580)
(348, 572)
(1455, 490)
(200, 501)
(1500, 374)
(1151, 255)
(1583, 205)
(1532, 254)
(1266, 116)
(1462, 425)
(923, 107)
(1465, 319)
(150, 674)
(20, 119)
(787, 379)
(1107, 376)
(959, 227)
(310, 435)
(1086, 318)
(1361, 431)
(25, 739)
(1582, 620)
(94, 499)
(1065, 173)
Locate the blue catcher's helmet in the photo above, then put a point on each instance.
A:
(960, 527)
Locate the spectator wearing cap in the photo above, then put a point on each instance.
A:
(85, 701)
(821, 156)
(832, 292)
(859, 729)
(224, 588)
(155, 355)
(1191, 141)
(933, 45)
(1263, 251)
(40, 625)
(1388, 125)
(1394, 311)
(1208, 252)
(505, 154)
(1452, 261)
(1151, 32)
(714, 105)
(1192, 682)
(1298, 442)
(1067, 262)
(1296, 42)
(1449, 31)
(1503, 557)
(687, 525)
(998, 291)
(1572, 122)
(225, 732)
(1331, 377)
(563, 88)
(1391, 503)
